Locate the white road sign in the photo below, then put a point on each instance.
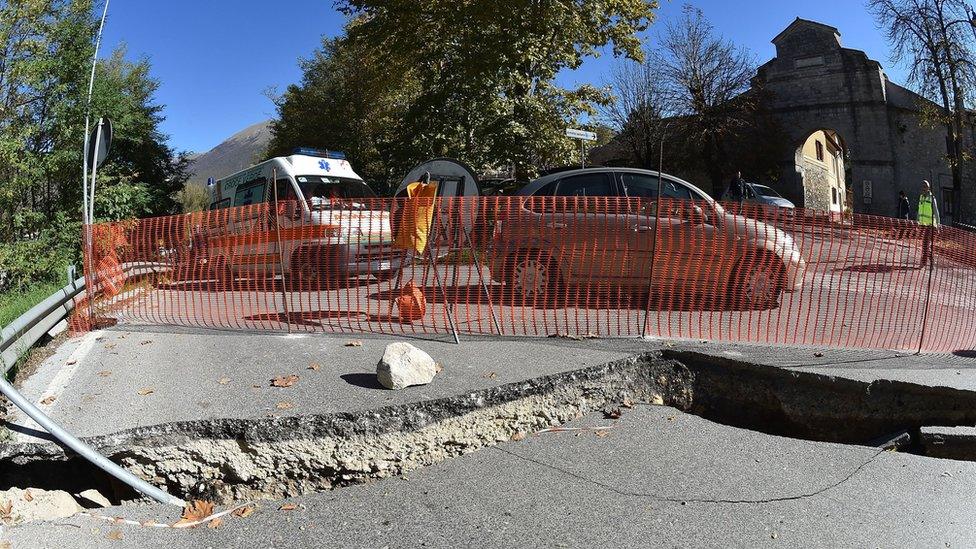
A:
(580, 134)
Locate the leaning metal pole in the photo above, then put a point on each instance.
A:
(86, 211)
(84, 450)
(657, 222)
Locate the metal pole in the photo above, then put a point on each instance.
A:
(90, 215)
(281, 253)
(91, 87)
(928, 287)
(84, 450)
(86, 221)
(657, 221)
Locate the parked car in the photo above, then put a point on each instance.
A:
(544, 241)
(764, 196)
(499, 187)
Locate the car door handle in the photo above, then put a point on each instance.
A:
(643, 228)
(556, 225)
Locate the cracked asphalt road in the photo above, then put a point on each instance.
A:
(658, 478)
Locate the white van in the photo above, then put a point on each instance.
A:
(325, 228)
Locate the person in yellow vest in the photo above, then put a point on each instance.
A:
(928, 218)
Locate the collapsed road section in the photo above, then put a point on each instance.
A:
(226, 460)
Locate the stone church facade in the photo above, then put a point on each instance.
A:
(818, 85)
(855, 137)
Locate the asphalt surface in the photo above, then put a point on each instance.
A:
(658, 478)
(116, 379)
(110, 380)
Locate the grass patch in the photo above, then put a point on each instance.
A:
(15, 304)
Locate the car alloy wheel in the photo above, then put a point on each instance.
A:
(532, 275)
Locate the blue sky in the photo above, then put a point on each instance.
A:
(216, 58)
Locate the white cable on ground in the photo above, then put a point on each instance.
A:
(154, 524)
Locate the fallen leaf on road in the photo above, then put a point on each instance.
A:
(354, 343)
(146, 391)
(284, 381)
(314, 366)
(215, 523)
(602, 434)
(438, 367)
(255, 386)
(6, 509)
(104, 373)
(627, 402)
(194, 511)
(489, 375)
(114, 534)
(146, 342)
(288, 507)
(518, 436)
(818, 355)
(284, 405)
(71, 362)
(109, 345)
(28, 496)
(6, 545)
(245, 512)
(223, 380)
(612, 414)
(48, 400)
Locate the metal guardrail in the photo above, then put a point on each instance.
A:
(26, 330)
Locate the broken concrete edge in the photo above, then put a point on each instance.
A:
(404, 417)
(817, 406)
(227, 460)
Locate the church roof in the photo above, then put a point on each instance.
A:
(798, 22)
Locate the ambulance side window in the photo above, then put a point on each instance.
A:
(286, 191)
(220, 205)
(251, 192)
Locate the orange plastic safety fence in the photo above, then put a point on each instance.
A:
(541, 266)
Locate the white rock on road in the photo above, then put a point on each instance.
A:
(34, 504)
(93, 497)
(404, 365)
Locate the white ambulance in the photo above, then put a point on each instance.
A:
(327, 220)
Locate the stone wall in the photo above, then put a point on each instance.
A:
(817, 84)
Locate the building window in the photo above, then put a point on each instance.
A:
(833, 195)
(820, 151)
(945, 208)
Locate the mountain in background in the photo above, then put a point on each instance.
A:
(241, 150)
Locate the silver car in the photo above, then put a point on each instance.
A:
(764, 196)
(547, 239)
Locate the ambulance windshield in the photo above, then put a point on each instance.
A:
(323, 192)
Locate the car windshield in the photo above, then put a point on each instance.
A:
(324, 192)
(763, 190)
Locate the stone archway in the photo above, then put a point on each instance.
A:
(820, 164)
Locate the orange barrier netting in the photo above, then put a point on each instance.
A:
(544, 266)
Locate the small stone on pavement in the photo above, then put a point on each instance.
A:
(404, 365)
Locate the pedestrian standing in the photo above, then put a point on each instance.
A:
(928, 218)
(904, 208)
(737, 190)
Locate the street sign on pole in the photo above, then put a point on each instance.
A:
(580, 134)
(583, 136)
(99, 145)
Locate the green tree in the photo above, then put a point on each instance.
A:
(193, 198)
(472, 80)
(936, 39)
(46, 48)
(148, 172)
